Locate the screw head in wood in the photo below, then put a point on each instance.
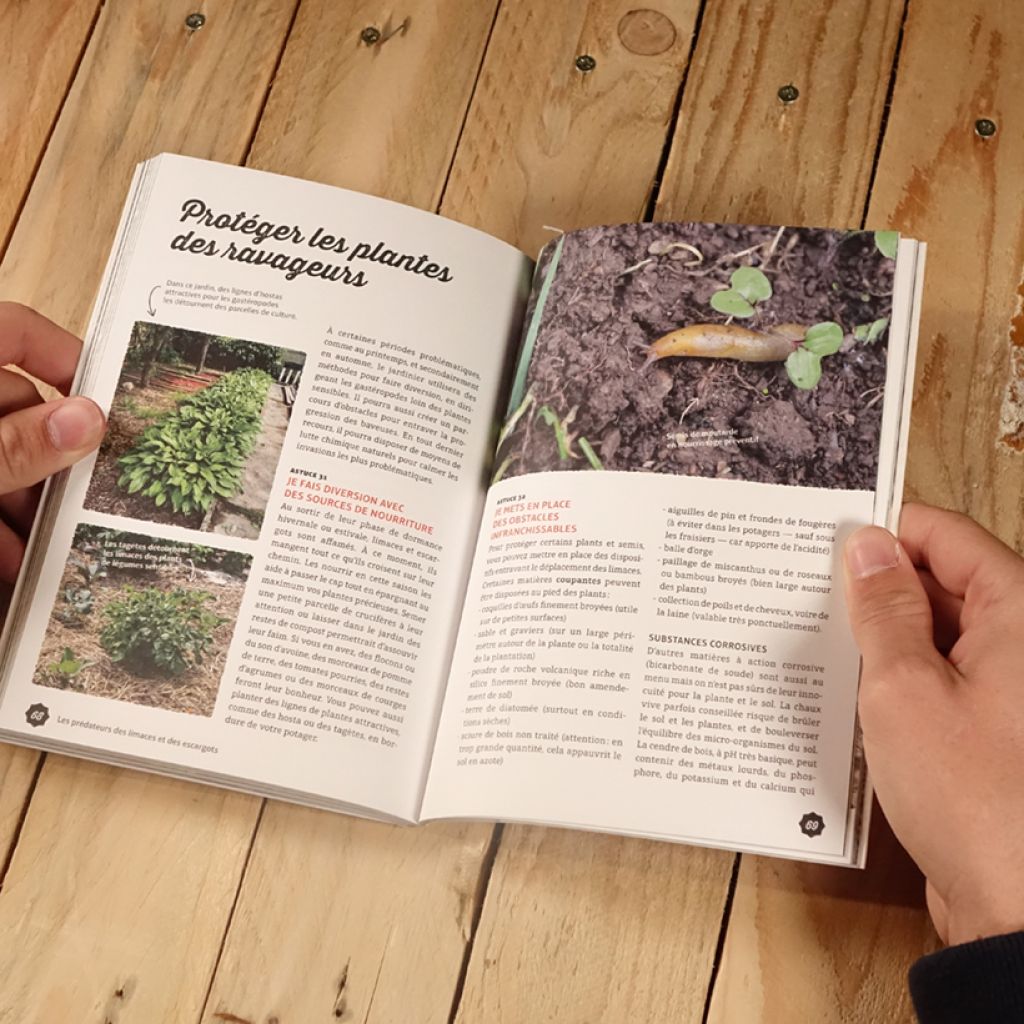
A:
(585, 63)
(370, 35)
(195, 21)
(789, 93)
(985, 127)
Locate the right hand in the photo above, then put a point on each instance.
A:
(939, 618)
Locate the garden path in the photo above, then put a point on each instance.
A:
(242, 515)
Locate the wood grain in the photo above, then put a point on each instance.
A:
(118, 884)
(118, 876)
(348, 920)
(39, 50)
(740, 153)
(547, 144)
(382, 119)
(581, 928)
(940, 181)
(828, 945)
(146, 85)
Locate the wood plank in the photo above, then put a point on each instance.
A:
(108, 912)
(547, 144)
(823, 944)
(386, 117)
(155, 863)
(802, 942)
(741, 154)
(350, 920)
(940, 181)
(580, 927)
(146, 85)
(39, 51)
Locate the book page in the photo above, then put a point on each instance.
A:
(655, 641)
(257, 579)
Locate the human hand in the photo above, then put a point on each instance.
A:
(37, 438)
(939, 619)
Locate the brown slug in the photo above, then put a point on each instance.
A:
(728, 341)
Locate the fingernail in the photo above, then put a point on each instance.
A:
(870, 551)
(76, 423)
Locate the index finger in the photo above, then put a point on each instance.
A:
(38, 345)
(958, 552)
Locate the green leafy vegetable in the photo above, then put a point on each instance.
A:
(159, 633)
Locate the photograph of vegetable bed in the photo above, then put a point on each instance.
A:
(196, 430)
(143, 619)
(745, 353)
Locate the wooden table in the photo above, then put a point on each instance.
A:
(128, 899)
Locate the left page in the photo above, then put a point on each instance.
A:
(256, 581)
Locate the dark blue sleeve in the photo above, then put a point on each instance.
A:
(977, 983)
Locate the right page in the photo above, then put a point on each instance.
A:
(654, 638)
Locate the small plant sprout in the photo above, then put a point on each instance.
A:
(748, 286)
(803, 365)
(68, 667)
(886, 243)
(561, 428)
(871, 332)
(589, 452)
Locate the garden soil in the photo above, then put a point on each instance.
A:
(601, 316)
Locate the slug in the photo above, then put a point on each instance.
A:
(727, 341)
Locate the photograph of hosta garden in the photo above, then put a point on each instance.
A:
(196, 429)
(143, 619)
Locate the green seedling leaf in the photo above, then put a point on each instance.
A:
(510, 423)
(876, 330)
(824, 339)
(550, 417)
(590, 453)
(751, 283)
(804, 368)
(886, 242)
(871, 332)
(731, 303)
(529, 340)
(503, 468)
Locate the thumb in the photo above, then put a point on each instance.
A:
(889, 610)
(43, 439)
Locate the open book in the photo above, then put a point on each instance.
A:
(393, 521)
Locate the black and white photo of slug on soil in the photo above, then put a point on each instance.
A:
(744, 353)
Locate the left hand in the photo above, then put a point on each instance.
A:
(37, 438)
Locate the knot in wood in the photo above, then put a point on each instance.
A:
(646, 32)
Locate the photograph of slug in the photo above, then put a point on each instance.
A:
(728, 341)
(744, 353)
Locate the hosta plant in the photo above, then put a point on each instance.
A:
(197, 453)
(159, 632)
